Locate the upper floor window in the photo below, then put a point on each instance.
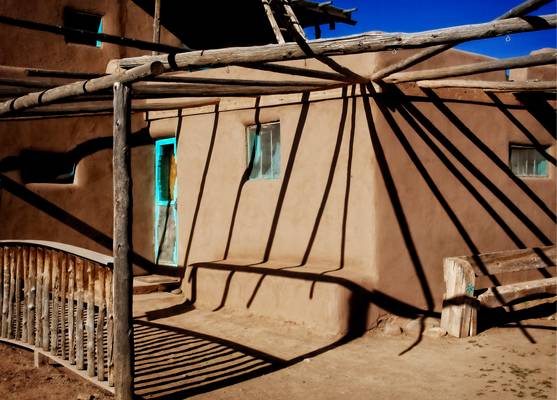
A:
(84, 21)
(527, 161)
(165, 171)
(264, 151)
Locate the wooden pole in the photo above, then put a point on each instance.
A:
(294, 22)
(122, 280)
(355, 44)
(522, 9)
(157, 24)
(273, 21)
(489, 85)
(79, 88)
(469, 69)
(310, 73)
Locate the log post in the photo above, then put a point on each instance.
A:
(63, 286)
(79, 314)
(39, 298)
(123, 324)
(17, 301)
(5, 292)
(90, 322)
(25, 279)
(55, 302)
(31, 296)
(100, 322)
(157, 24)
(46, 300)
(11, 294)
(71, 319)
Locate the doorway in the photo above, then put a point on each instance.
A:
(166, 251)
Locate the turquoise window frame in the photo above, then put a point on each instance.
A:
(256, 137)
(100, 30)
(160, 202)
(539, 167)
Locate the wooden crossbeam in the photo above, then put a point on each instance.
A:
(489, 85)
(367, 42)
(79, 88)
(475, 68)
(520, 10)
(288, 70)
(14, 72)
(229, 81)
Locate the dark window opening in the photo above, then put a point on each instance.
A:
(527, 161)
(165, 153)
(83, 21)
(47, 167)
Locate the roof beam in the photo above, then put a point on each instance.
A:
(475, 68)
(489, 85)
(520, 10)
(367, 42)
(79, 88)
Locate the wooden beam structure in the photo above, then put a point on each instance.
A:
(229, 81)
(157, 25)
(520, 10)
(489, 85)
(366, 42)
(273, 21)
(79, 88)
(289, 70)
(293, 19)
(101, 37)
(475, 68)
(122, 279)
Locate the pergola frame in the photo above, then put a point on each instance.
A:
(47, 94)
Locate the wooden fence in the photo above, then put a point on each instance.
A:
(58, 300)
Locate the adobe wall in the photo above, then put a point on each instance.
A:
(385, 227)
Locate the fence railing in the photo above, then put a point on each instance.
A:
(58, 299)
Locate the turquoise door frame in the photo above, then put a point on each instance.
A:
(166, 218)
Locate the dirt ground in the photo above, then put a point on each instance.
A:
(500, 363)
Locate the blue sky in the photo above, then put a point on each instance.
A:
(421, 15)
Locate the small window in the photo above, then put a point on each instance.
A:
(47, 167)
(264, 151)
(527, 161)
(83, 21)
(165, 153)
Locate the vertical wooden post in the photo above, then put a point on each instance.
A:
(79, 314)
(122, 279)
(17, 301)
(39, 298)
(25, 309)
(109, 327)
(6, 292)
(157, 24)
(46, 300)
(55, 302)
(90, 322)
(63, 286)
(31, 296)
(71, 320)
(100, 322)
(11, 293)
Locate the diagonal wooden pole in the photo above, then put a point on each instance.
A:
(122, 275)
(522, 9)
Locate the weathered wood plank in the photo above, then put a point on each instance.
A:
(366, 42)
(71, 309)
(80, 361)
(17, 302)
(5, 290)
(31, 298)
(109, 326)
(475, 68)
(100, 323)
(63, 289)
(55, 302)
(11, 295)
(39, 298)
(157, 24)
(25, 300)
(46, 299)
(273, 21)
(458, 303)
(512, 261)
(122, 279)
(508, 293)
(90, 323)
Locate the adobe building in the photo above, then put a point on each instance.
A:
(327, 209)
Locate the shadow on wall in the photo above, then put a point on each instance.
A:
(82, 150)
(390, 101)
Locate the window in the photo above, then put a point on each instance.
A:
(83, 21)
(165, 153)
(47, 167)
(264, 151)
(527, 161)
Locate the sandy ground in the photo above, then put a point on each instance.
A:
(500, 363)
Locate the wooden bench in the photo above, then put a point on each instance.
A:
(465, 276)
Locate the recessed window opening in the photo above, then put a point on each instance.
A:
(527, 161)
(165, 171)
(47, 167)
(263, 151)
(84, 21)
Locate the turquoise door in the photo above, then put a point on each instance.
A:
(166, 252)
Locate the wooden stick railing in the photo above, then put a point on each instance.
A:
(58, 298)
